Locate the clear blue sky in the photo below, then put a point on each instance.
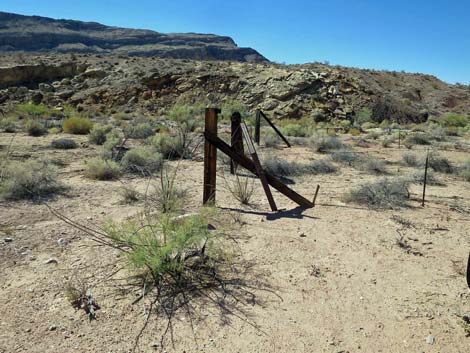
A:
(430, 36)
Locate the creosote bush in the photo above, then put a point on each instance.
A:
(101, 169)
(35, 128)
(142, 161)
(325, 144)
(440, 164)
(77, 125)
(28, 180)
(64, 144)
(383, 194)
(98, 134)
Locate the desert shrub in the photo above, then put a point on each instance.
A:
(345, 157)
(368, 125)
(98, 134)
(437, 132)
(440, 164)
(387, 141)
(374, 135)
(231, 106)
(28, 180)
(77, 125)
(418, 177)
(171, 147)
(141, 161)
(277, 166)
(363, 116)
(410, 160)
(54, 130)
(387, 108)
(166, 195)
(327, 143)
(453, 119)
(129, 195)
(64, 144)
(33, 110)
(241, 188)
(417, 139)
(101, 169)
(354, 131)
(139, 131)
(271, 139)
(295, 130)
(35, 128)
(464, 171)
(383, 194)
(372, 165)
(8, 125)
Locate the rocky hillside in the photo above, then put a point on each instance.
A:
(149, 86)
(41, 34)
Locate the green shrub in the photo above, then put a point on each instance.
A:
(295, 130)
(139, 131)
(387, 141)
(417, 139)
(166, 196)
(100, 169)
(8, 125)
(77, 125)
(440, 164)
(327, 143)
(98, 134)
(363, 116)
(28, 180)
(142, 161)
(368, 125)
(35, 128)
(275, 165)
(271, 139)
(33, 110)
(457, 120)
(170, 147)
(64, 144)
(383, 194)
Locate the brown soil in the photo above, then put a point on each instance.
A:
(328, 279)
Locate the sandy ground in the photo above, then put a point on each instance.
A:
(327, 279)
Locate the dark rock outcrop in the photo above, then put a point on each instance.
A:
(41, 34)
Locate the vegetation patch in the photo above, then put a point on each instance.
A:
(440, 164)
(35, 128)
(326, 144)
(64, 144)
(98, 134)
(29, 180)
(142, 161)
(383, 194)
(77, 125)
(101, 169)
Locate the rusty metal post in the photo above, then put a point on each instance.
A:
(236, 139)
(210, 156)
(316, 194)
(425, 178)
(257, 126)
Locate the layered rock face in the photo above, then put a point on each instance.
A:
(149, 86)
(41, 34)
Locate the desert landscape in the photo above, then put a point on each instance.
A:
(106, 246)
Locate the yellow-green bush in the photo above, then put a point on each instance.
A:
(77, 125)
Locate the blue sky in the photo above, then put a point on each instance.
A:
(430, 36)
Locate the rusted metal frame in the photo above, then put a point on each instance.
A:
(249, 165)
(274, 127)
(210, 157)
(236, 139)
(259, 169)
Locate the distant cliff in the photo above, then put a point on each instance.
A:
(41, 34)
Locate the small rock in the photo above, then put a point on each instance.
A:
(61, 242)
(52, 328)
(8, 240)
(430, 339)
(154, 345)
(51, 261)
(303, 235)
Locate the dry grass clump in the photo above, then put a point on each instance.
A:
(383, 194)
(102, 169)
(129, 195)
(440, 164)
(28, 180)
(242, 189)
(166, 195)
(64, 144)
(77, 125)
(326, 144)
(142, 161)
